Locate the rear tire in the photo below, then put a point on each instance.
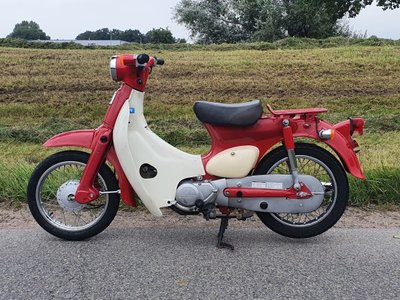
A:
(315, 161)
(50, 197)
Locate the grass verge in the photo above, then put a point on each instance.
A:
(18, 160)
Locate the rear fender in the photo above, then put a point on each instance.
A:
(348, 157)
(343, 146)
(85, 139)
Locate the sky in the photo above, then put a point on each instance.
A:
(65, 19)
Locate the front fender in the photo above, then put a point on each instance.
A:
(75, 138)
(85, 139)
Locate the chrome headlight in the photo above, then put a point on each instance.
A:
(113, 68)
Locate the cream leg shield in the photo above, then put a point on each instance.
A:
(135, 145)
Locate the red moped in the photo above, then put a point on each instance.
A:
(298, 189)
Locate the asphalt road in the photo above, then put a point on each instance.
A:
(183, 263)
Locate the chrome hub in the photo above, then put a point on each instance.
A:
(66, 196)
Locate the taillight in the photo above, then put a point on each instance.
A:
(356, 125)
(348, 128)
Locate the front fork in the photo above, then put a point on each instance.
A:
(289, 145)
(101, 143)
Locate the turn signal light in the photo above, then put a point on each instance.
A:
(326, 134)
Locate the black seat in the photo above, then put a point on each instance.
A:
(241, 114)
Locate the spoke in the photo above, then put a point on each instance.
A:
(301, 165)
(307, 217)
(50, 193)
(292, 215)
(65, 220)
(280, 170)
(318, 170)
(76, 218)
(92, 212)
(58, 177)
(80, 217)
(308, 166)
(54, 205)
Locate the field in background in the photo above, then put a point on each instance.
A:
(47, 91)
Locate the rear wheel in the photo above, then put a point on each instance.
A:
(315, 161)
(51, 191)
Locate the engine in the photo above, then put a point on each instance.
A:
(195, 196)
(189, 192)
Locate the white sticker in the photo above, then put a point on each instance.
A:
(258, 185)
(275, 185)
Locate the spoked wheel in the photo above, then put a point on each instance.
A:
(315, 161)
(51, 192)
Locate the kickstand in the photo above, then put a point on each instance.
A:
(222, 228)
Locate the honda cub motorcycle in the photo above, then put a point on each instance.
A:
(298, 189)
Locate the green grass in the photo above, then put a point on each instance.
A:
(380, 163)
(380, 188)
(14, 180)
(47, 91)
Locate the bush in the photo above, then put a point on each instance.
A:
(287, 43)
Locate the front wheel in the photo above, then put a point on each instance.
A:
(51, 191)
(315, 161)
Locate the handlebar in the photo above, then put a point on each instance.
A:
(159, 61)
(142, 59)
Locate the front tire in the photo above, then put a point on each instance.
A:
(315, 161)
(51, 190)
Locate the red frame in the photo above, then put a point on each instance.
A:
(264, 134)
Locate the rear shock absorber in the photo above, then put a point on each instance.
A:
(289, 145)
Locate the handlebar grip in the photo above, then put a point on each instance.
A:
(160, 61)
(142, 59)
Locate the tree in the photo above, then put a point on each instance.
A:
(28, 31)
(100, 34)
(87, 35)
(156, 36)
(133, 36)
(340, 8)
(210, 21)
(216, 21)
(160, 36)
(230, 21)
(306, 18)
(262, 20)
